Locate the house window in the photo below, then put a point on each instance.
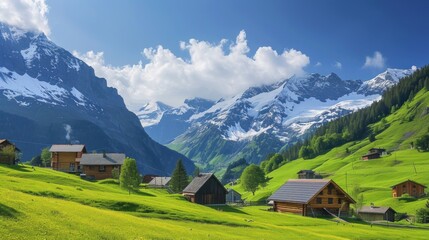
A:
(102, 168)
(319, 200)
(339, 200)
(330, 200)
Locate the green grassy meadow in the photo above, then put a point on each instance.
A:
(44, 204)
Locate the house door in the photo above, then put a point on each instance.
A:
(72, 167)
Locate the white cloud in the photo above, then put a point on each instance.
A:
(376, 61)
(318, 64)
(210, 72)
(25, 14)
(338, 65)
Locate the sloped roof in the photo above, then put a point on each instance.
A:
(408, 181)
(67, 148)
(6, 141)
(159, 181)
(232, 190)
(102, 159)
(374, 209)
(305, 171)
(199, 181)
(299, 190)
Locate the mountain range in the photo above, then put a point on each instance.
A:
(260, 120)
(49, 96)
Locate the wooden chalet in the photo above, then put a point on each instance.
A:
(311, 197)
(308, 174)
(159, 182)
(66, 157)
(205, 189)
(233, 196)
(409, 187)
(9, 159)
(373, 213)
(374, 153)
(100, 165)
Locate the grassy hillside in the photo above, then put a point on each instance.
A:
(44, 204)
(373, 177)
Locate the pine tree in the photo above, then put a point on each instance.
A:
(129, 178)
(179, 179)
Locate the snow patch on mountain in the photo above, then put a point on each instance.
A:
(29, 54)
(14, 85)
(384, 80)
(236, 133)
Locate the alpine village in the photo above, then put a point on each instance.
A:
(306, 156)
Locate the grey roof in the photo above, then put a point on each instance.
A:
(67, 148)
(160, 181)
(198, 182)
(374, 209)
(232, 190)
(299, 190)
(102, 159)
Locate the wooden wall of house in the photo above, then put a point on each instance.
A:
(330, 198)
(296, 208)
(388, 216)
(212, 192)
(409, 187)
(94, 171)
(65, 161)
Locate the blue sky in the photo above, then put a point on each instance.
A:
(173, 50)
(326, 31)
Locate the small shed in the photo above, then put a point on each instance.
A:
(374, 213)
(159, 182)
(311, 197)
(205, 189)
(100, 165)
(409, 187)
(233, 196)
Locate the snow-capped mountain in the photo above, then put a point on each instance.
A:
(49, 96)
(264, 119)
(151, 113)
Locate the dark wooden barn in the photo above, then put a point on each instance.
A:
(311, 197)
(205, 189)
(373, 213)
(374, 153)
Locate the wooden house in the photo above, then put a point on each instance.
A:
(233, 196)
(409, 187)
(6, 158)
(374, 153)
(159, 182)
(66, 157)
(373, 213)
(100, 165)
(311, 197)
(308, 174)
(205, 189)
